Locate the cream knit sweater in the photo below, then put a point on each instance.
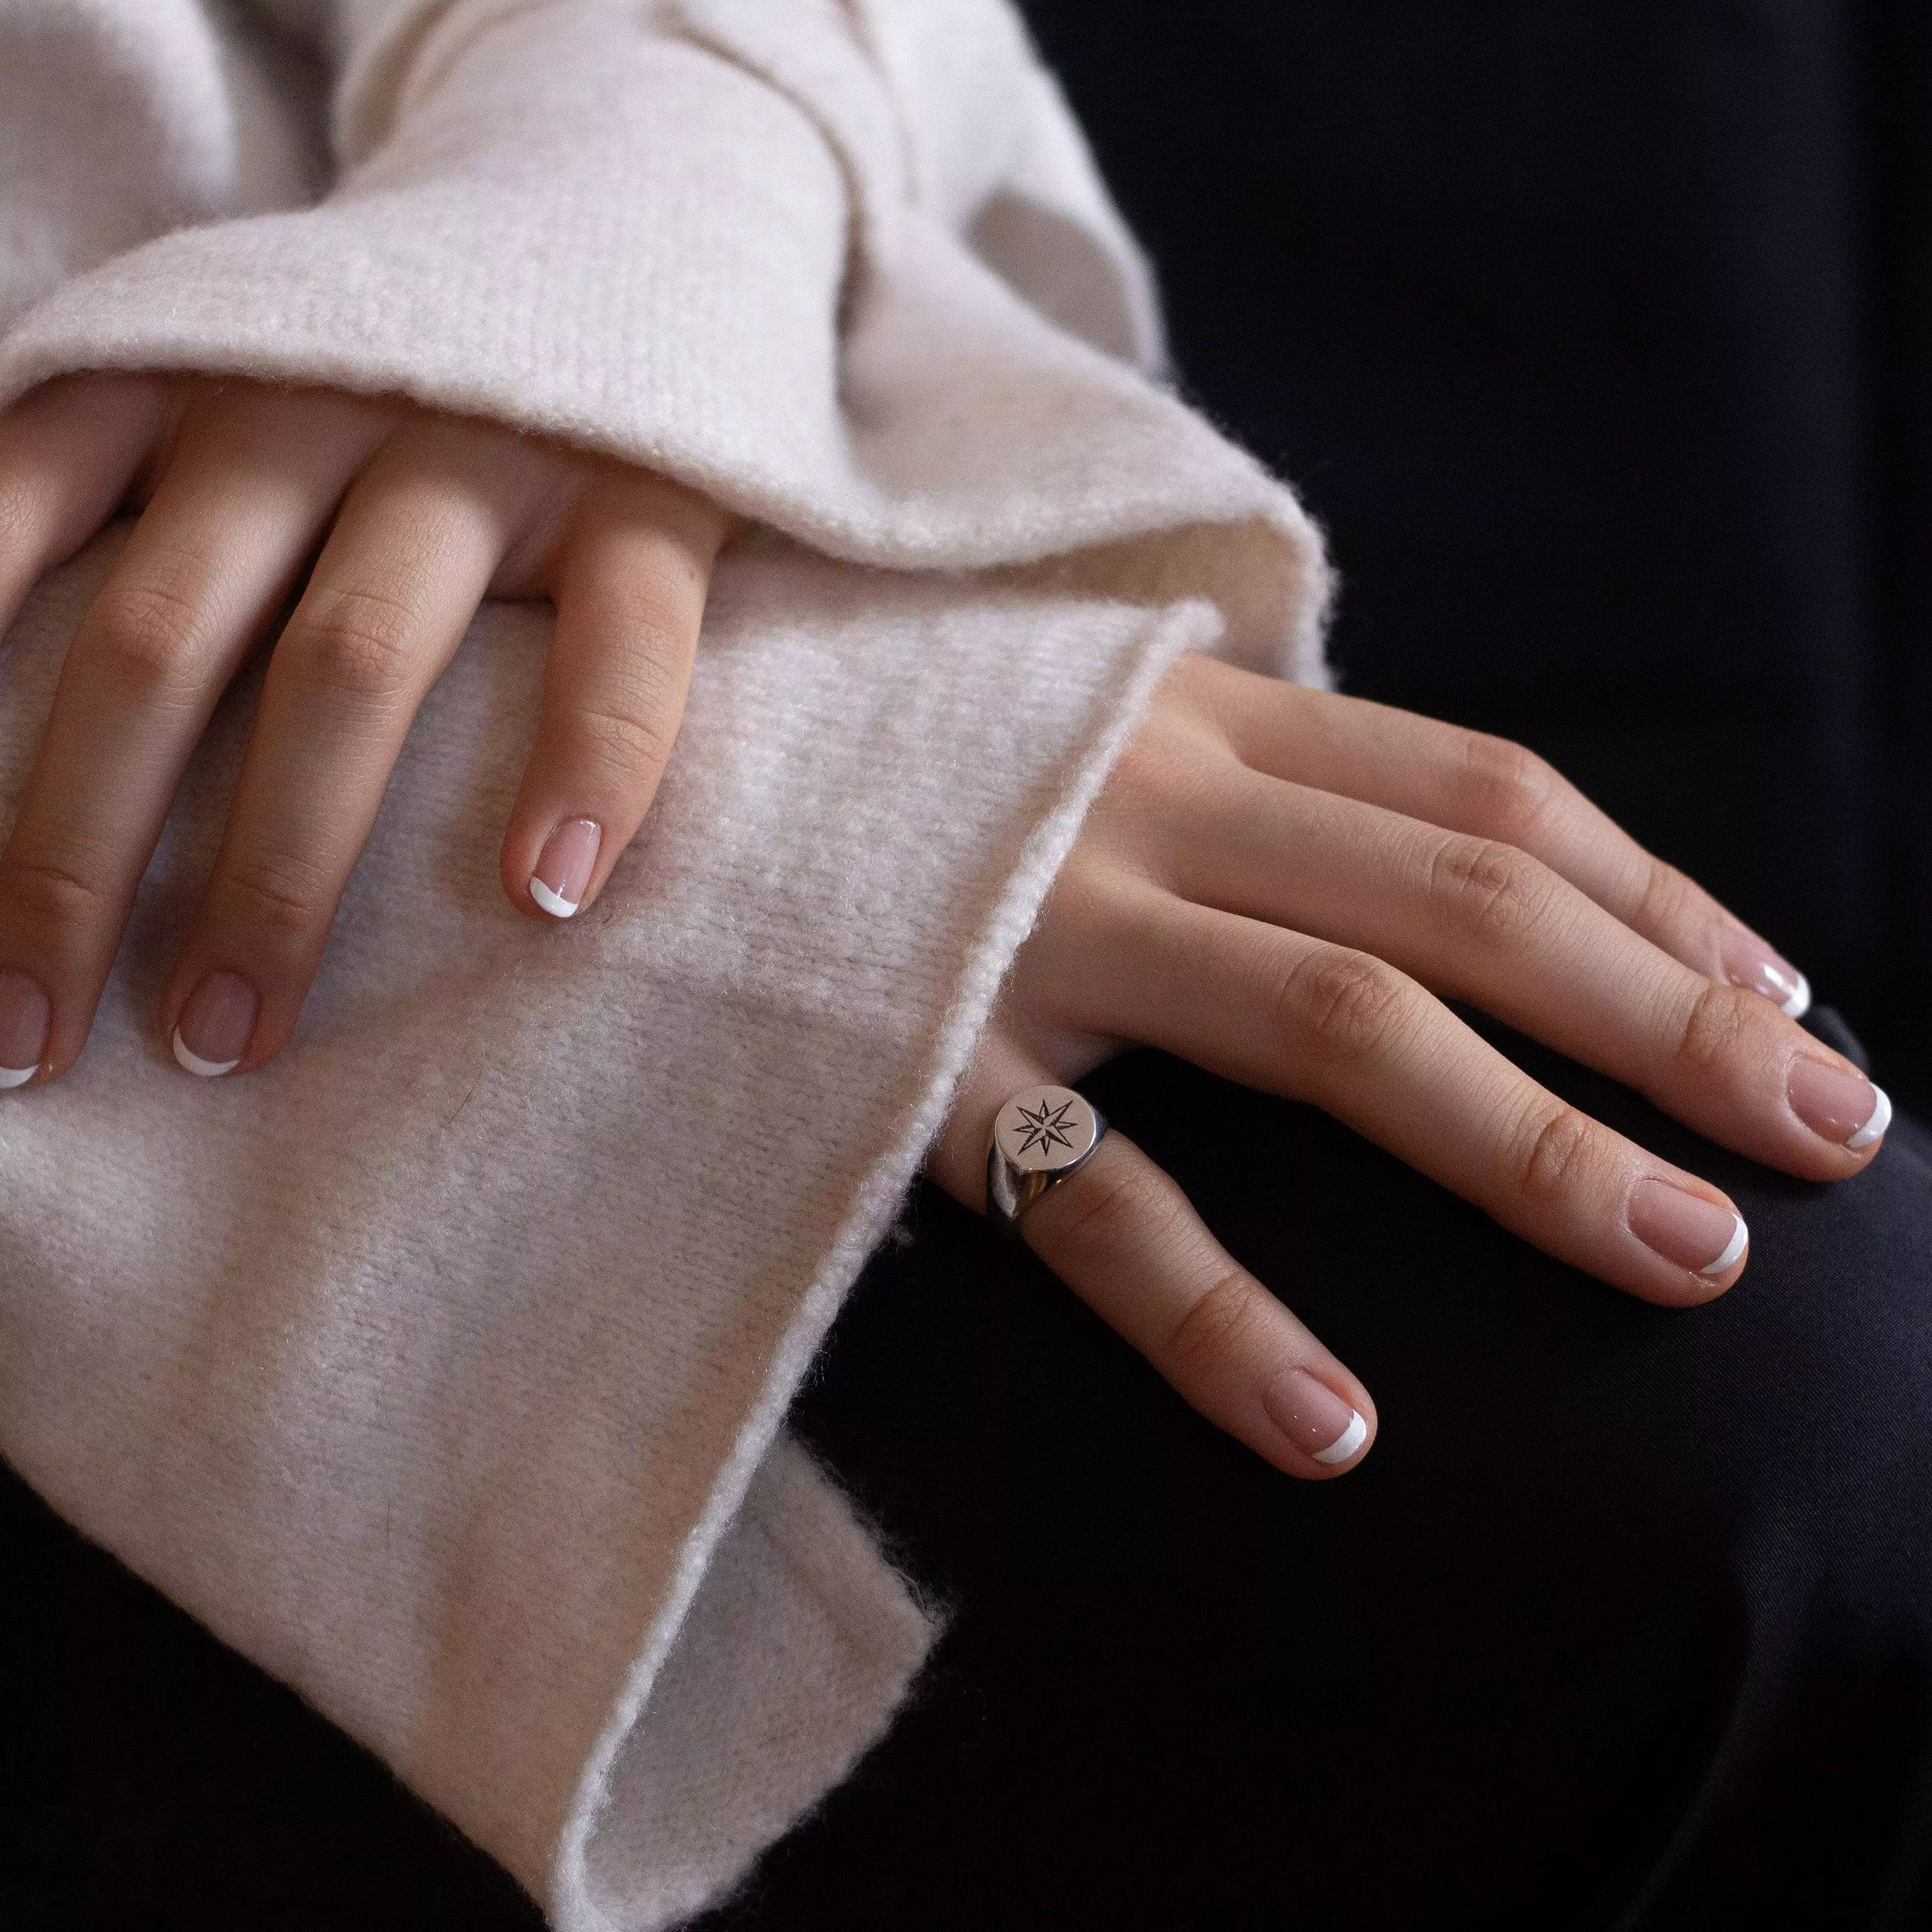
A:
(441, 1367)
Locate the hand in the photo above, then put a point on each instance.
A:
(409, 519)
(1278, 884)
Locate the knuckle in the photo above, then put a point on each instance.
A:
(53, 895)
(627, 731)
(1200, 677)
(624, 744)
(1553, 1153)
(1506, 789)
(1110, 1210)
(1667, 901)
(144, 636)
(1215, 1335)
(668, 590)
(1718, 1028)
(1491, 889)
(283, 897)
(1342, 1006)
(357, 643)
(20, 513)
(1169, 783)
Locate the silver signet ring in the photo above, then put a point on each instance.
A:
(1041, 1137)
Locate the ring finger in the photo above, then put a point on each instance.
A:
(1323, 1023)
(1480, 920)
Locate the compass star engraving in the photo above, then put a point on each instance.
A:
(1046, 1127)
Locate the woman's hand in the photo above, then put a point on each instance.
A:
(409, 519)
(1281, 886)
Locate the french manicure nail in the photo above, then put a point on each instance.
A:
(25, 1017)
(1749, 962)
(1314, 1417)
(1686, 1228)
(1839, 1106)
(212, 1033)
(563, 870)
(1874, 1128)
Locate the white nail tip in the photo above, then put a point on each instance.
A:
(16, 1076)
(1740, 1240)
(1346, 1444)
(208, 1069)
(1798, 1002)
(1881, 1119)
(555, 904)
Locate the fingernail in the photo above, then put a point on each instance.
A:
(213, 1032)
(1686, 1228)
(1749, 962)
(569, 856)
(25, 1016)
(1841, 1107)
(1314, 1417)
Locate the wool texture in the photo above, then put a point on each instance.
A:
(441, 1366)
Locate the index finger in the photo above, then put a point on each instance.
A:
(1470, 781)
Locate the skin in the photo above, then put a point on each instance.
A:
(392, 523)
(1281, 885)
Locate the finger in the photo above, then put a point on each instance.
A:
(411, 556)
(1471, 782)
(1480, 921)
(1353, 1035)
(629, 582)
(248, 488)
(1127, 1240)
(68, 451)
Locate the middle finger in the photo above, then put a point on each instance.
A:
(1296, 1015)
(1469, 782)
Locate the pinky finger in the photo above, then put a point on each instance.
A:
(1124, 1238)
(630, 588)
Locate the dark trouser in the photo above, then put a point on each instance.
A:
(1626, 1621)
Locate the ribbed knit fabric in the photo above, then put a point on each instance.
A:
(441, 1366)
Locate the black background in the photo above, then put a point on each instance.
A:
(1597, 336)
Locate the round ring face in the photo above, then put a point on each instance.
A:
(1044, 1129)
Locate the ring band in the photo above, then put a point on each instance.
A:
(1042, 1136)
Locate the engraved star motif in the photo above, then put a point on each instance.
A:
(1047, 1128)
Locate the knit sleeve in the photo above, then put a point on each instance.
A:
(120, 122)
(746, 243)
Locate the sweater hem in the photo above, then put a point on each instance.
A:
(1191, 626)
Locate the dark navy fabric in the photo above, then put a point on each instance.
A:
(1626, 1621)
